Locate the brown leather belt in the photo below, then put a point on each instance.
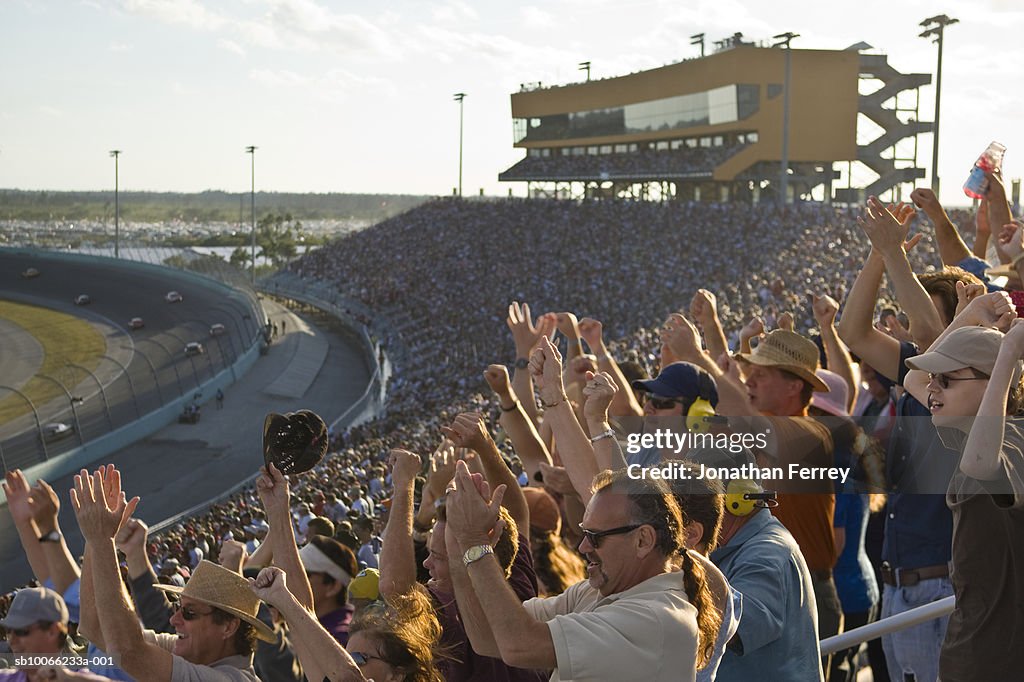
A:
(908, 577)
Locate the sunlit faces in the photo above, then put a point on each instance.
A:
(954, 397)
(437, 560)
(771, 389)
(366, 652)
(611, 566)
(201, 640)
(43, 638)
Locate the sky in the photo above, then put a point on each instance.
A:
(358, 96)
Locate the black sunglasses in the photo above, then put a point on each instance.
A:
(594, 536)
(362, 659)
(659, 403)
(943, 379)
(187, 612)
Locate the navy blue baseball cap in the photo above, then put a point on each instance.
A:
(680, 380)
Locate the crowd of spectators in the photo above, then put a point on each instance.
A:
(442, 276)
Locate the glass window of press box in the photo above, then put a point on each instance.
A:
(712, 107)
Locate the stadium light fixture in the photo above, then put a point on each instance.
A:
(459, 96)
(783, 40)
(117, 206)
(585, 66)
(251, 150)
(698, 39)
(934, 27)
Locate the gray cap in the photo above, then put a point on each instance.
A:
(33, 605)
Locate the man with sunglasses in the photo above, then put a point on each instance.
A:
(36, 623)
(634, 617)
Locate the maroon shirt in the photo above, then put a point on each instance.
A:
(468, 665)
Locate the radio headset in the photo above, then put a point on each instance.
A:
(701, 413)
(743, 496)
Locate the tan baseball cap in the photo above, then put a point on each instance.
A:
(975, 347)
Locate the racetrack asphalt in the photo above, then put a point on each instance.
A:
(185, 465)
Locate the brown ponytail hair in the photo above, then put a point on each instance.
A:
(709, 619)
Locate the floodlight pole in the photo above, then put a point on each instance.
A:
(251, 150)
(459, 96)
(934, 26)
(698, 39)
(784, 40)
(117, 206)
(585, 66)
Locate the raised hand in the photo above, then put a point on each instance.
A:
(703, 307)
(131, 539)
(272, 487)
(965, 293)
(1011, 240)
(994, 310)
(442, 468)
(546, 370)
(271, 586)
(232, 555)
(579, 367)
(496, 377)
(926, 200)
(785, 321)
(680, 337)
(20, 499)
(753, 329)
(598, 393)
(471, 516)
(591, 331)
(825, 309)
(883, 228)
(45, 511)
(557, 478)
(524, 333)
(567, 325)
(405, 467)
(97, 519)
(468, 431)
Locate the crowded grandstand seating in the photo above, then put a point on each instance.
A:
(645, 163)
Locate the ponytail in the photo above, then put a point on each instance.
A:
(709, 619)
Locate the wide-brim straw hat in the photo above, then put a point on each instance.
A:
(786, 350)
(226, 590)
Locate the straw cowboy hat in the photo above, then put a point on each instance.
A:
(226, 590)
(786, 350)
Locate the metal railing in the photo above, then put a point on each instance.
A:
(899, 621)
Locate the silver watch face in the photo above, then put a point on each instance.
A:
(474, 553)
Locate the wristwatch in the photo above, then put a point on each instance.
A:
(522, 363)
(476, 553)
(52, 536)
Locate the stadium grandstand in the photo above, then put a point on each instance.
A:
(714, 128)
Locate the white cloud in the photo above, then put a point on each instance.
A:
(453, 11)
(51, 111)
(334, 85)
(303, 25)
(189, 12)
(231, 46)
(119, 47)
(535, 17)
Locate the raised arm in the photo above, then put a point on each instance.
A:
(397, 554)
(272, 487)
(101, 510)
(63, 568)
(998, 206)
(704, 311)
(599, 394)
(522, 641)
(574, 446)
(839, 361)
(469, 431)
(525, 335)
(952, 249)
(625, 402)
(982, 230)
(152, 605)
(981, 459)
(521, 430)
(886, 233)
(1011, 243)
(321, 656)
(22, 504)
